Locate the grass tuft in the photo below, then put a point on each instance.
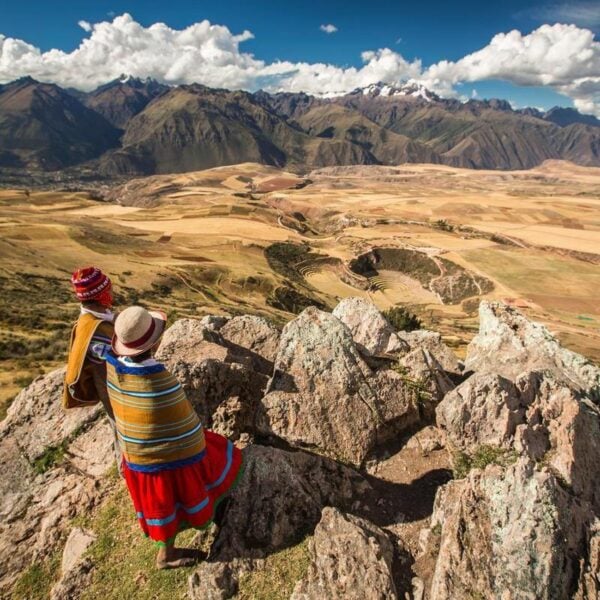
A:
(276, 581)
(483, 456)
(37, 581)
(52, 457)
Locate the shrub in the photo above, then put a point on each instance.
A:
(402, 319)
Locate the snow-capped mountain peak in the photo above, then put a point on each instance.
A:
(411, 88)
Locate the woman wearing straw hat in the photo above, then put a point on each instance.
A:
(176, 472)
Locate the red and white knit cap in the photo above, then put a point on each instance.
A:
(89, 283)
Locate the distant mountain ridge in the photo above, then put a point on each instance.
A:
(140, 126)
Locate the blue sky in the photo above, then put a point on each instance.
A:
(429, 31)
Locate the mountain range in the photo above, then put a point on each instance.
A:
(132, 126)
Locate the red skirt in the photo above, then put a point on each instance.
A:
(171, 500)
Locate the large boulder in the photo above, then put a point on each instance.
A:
(277, 502)
(369, 328)
(350, 558)
(280, 498)
(223, 380)
(483, 410)
(509, 344)
(536, 416)
(323, 395)
(506, 534)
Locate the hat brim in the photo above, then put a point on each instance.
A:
(160, 322)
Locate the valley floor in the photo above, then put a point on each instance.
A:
(254, 239)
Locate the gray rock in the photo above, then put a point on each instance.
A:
(73, 584)
(224, 381)
(75, 546)
(279, 500)
(428, 376)
(323, 395)
(505, 535)
(431, 341)
(38, 408)
(484, 410)
(510, 344)
(538, 417)
(589, 578)
(219, 580)
(37, 508)
(254, 333)
(370, 330)
(350, 558)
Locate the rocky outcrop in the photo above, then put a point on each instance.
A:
(522, 523)
(519, 521)
(370, 330)
(222, 372)
(280, 499)
(350, 558)
(52, 462)
(324, 396)
(537, 417)
(509, 344)
(506, 535)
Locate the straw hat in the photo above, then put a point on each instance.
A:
(137, 330)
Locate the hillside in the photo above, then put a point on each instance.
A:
(191, 127)
(260, 240)
(120, 100)
(44, 127)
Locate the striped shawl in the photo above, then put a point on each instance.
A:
(157, 426)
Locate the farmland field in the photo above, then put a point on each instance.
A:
(253, 239)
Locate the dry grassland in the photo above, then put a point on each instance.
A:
(247, 239)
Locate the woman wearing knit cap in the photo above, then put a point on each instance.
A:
(177, 473)
(85, 378)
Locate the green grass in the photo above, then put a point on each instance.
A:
(124, 558)
(35, 583)
(278, 578)
(483, 456)
(52, 457)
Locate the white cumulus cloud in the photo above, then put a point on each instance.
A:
(328, 28)
(563, 57)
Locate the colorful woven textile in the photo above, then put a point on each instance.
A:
(84, 367)
(90, 283)
(157, 426)
(101, 341)
(169, 501)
